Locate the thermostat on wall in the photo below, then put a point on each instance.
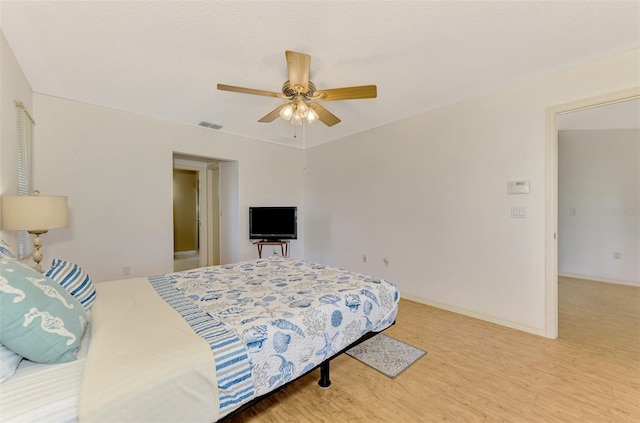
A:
(518, 187)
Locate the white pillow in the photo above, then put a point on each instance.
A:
(8, 363)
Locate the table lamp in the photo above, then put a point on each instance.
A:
(35, 214)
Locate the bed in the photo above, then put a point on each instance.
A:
(199, 345)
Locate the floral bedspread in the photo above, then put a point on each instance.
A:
(290, 314)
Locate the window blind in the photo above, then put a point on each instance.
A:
(25, 137)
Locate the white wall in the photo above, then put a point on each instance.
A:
(429, 194)
(13, 87)
(231, 217)
(116, 169)
(599, 205)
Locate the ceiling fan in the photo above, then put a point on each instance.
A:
(303, 95)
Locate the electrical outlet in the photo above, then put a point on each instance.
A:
(616, 255)
(126, 270)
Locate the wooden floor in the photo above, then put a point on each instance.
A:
(480, 372)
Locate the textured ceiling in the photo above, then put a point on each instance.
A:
(164, 58)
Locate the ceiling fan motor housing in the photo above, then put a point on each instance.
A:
(291, 91)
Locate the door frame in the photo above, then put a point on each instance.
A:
(213, 217)
(551, 200)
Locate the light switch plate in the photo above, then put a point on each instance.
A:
(518, 212)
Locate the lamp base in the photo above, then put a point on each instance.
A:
(37, 244)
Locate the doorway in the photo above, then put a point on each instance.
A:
(599, 227)
(551, 271)
(186, 219)
(218, 205)
(196, 204)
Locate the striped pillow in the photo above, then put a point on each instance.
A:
(75, 280)
(5, 250)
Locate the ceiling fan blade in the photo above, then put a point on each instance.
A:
(273, 115)
(244, 90)
(298, 65)
(346, 93)
(324, 115)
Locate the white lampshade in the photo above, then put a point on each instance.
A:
(34, 213)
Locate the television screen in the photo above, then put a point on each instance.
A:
(273, 223)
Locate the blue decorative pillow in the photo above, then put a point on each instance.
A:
(5, 250)
(75, 280)
(39, 319)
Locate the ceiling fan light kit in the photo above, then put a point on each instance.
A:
(299, 91)
(298, 111)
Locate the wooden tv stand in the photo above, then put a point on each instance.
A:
(284, 246)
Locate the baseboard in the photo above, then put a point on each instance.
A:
(181, 254)
(476, 315)
(596, 279)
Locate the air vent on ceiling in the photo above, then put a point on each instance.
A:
(210, 125)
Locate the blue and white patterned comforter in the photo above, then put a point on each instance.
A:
(271, 320)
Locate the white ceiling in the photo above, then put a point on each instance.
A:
(164, 58)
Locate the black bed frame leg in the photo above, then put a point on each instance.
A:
(324, 381)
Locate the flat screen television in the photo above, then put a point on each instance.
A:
(273, 223)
